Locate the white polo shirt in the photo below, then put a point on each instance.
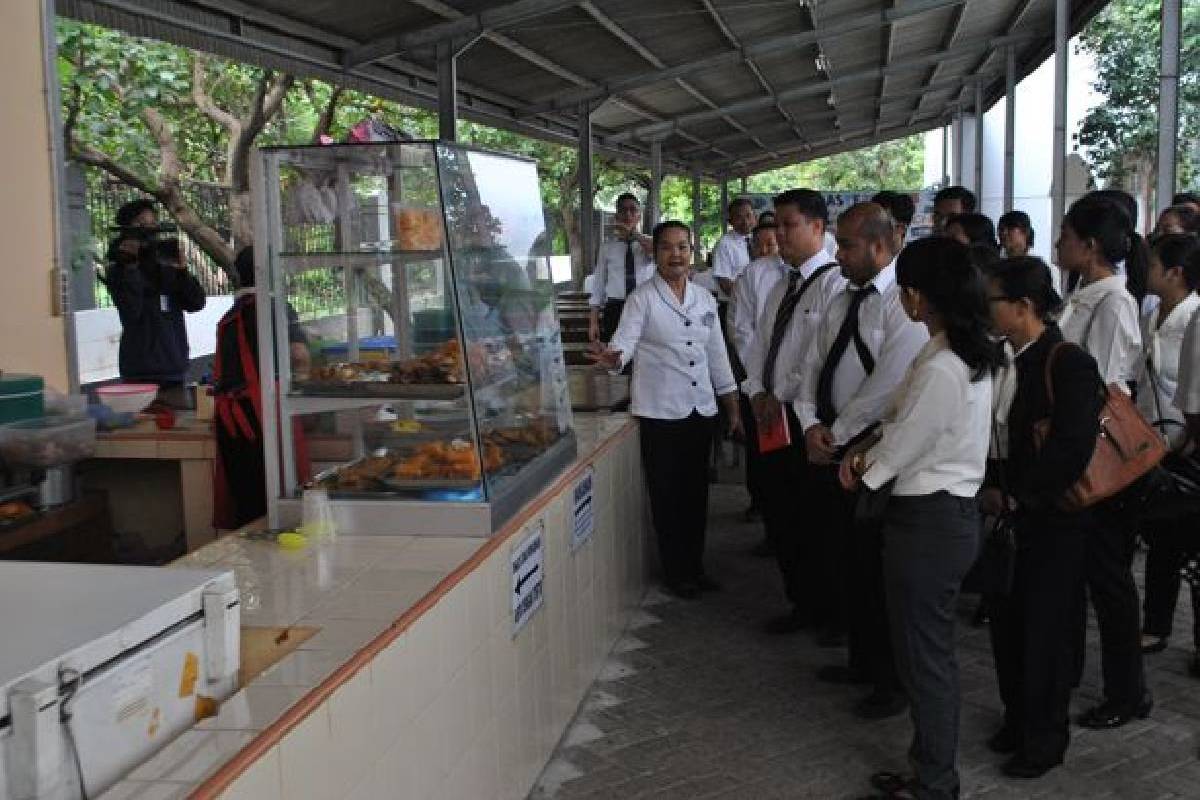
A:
(1103, 319)
(731, 256)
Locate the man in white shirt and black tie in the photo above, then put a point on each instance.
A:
(863, 349)
(805, 281)
(622, 264)
(734, 250)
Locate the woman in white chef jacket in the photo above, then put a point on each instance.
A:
(670, 329)
(1103, 318)
(933, 447)
(1174, 276)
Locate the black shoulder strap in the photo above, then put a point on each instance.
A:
(811, 279)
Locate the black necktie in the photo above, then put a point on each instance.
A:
(750, 247)
(783, 317)
(630, 271)
(826, 413)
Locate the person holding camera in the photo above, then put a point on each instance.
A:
(151, 289)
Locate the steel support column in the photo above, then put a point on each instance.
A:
(587, 191)
(447, 75)
(978, 182)
(743, 190)
(1010, 115)
(697, 218)
(724, 203)
(654, 199)
(1058, 178)
(957, 128)
(945, 155)
(1168, 104)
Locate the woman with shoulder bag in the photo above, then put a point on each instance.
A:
(1174, 277)
(932, 449)
(1033, 627)
(1102, 317)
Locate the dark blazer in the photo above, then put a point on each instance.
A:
(1038, 479)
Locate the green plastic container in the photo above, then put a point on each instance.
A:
(21, 397)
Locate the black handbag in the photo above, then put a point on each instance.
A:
(992, 573)
(1172, 489)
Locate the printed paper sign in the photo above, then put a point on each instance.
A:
(583, 509)
(528, 574)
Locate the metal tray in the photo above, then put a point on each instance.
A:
(394, 391)
(417, 484)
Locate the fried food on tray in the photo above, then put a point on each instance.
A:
(443, 365)
(456, 459)
(14, 511)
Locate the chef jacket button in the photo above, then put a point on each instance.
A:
(689, 344)
(693, 383)
(691, 363)
(687, 323)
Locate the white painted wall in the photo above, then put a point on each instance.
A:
(1033, 166)
(99, 333)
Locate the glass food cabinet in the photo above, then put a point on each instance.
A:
(417, 350)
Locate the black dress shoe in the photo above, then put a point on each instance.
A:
(842, 675)
(791, 622)
(1156, 644)
(707, 584)
(1026, 769)
(1005, 741)
(1107, 715)
(685, 590)
(880, 704)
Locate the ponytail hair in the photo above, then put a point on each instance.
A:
(1109, 226)
(941, 269)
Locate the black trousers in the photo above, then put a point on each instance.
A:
(1170, 545)
(675, 457)
(929, 543)
(868, 637)
(754, 461)
(1034, 631)
(610, 319)
(832, 515)
(1108, 571)
(784, 496)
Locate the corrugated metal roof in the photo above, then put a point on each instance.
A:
(730, 87)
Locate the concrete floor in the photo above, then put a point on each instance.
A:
(697, 702)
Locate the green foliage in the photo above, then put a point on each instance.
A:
(1121, 135)
(898, 164)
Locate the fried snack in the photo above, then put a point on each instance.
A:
(417, 228)
(446, 460)
(14, 511)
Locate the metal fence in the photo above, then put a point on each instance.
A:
(103, 196)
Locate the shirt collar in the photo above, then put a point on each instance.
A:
(668, 294)
(1182, 312)
(815, 262)
(1099, 289)
(885, 280)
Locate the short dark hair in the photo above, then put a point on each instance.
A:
(808, 202)
(764, 215)
(1094, 216)
(1028, 278)
(1189, 217)
(623, 196)
(898, 204)
(978, 227)
(1184, 198)
(1180, 250)
(764, 226)
(667, 225)
(739, 201)
(243, 264)
(960, 193)
(1017, 220)
(128, 212)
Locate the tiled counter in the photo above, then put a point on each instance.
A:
(415, 685)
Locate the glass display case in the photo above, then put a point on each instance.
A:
(417, 333)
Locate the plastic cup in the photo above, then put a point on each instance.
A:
(317, 521)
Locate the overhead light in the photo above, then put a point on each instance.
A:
(822, 63)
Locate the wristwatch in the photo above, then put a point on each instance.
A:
(858, 464)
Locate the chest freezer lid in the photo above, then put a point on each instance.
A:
(85, 615)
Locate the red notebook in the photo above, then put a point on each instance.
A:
(776, 436)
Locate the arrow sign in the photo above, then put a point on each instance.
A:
(527, 562)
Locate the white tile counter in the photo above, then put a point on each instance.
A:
(415, 685)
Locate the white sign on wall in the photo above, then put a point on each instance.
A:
(528, 575)
(583, 509)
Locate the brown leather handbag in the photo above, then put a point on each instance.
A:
(1127, 446)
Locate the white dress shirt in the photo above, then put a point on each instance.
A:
(935, 431)
(893, 340)
(1187, 391)
(749, 296)
(1104, 320)
(730, 257)
(1163, 346)
(678, 351)
(609, 275)
(801, 332)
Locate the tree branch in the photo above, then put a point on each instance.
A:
(204, 102)
(325, 120)
(171, 168)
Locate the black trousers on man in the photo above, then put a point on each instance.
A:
(675, 460)
(784, 501)
(1033, 632)
(610, 319)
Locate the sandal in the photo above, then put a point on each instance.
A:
(1153, 644)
